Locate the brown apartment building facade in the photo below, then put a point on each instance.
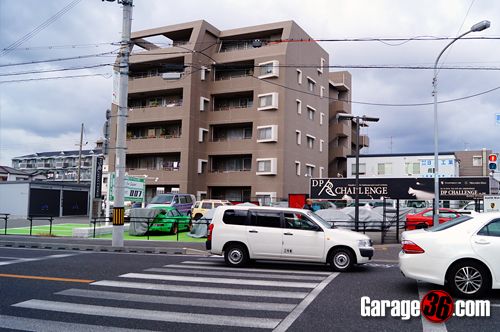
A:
(238, 114)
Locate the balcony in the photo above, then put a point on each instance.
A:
(339, 106)
(340, 151)
(154, 83)
(167, 143)
(341, 129)
(158, 176)
(364, 141)
(155, 113)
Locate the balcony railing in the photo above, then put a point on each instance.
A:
(139, 75)
(167, 104)
(156, 136)
(230, 171)
(230, 76)
(225, 139)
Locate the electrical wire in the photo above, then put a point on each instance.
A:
(105, 75)
(39, 28)
(57, 70)
(113, 53)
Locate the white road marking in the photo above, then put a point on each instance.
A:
(288, 321)
(428, 326)
(202, 290)
(225, 268)
(231, 281)
(235, 274)
(25, 260)
(183, 301)
(43, 325)
(152, 315)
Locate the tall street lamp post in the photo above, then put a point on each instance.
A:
(363, 118)
(475, 28)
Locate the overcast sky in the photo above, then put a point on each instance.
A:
(46, 115)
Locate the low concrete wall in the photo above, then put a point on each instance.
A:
(86, 232)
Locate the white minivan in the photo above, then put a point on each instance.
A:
(242, 233)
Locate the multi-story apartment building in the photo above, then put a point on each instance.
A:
(240, 114)
(58, 165)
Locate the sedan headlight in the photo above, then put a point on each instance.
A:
(365, 243)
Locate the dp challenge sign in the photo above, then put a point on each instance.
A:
(400, 188)
(134, 188)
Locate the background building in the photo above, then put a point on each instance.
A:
(238, 114)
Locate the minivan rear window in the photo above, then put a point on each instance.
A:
(162, 199)
(235, 217)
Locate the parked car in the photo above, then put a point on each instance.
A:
(134, 205)
(241, 233)
(321, 205)
(182, 202)
(424, 219)
(461, 254)
(170, 220)
(200, 207)
(470, 207)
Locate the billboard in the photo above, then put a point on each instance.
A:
(464, 188)
(134, 188)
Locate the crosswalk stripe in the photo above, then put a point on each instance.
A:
(152, 315)
(183, 301)
(191, 265)
(231, 281)
(235, 274)
(43, 325)
(202, 290)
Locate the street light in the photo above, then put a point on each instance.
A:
(475, 28)
(364, 118)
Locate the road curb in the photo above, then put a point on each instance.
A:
(101, 248)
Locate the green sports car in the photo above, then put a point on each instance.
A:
(170, 220)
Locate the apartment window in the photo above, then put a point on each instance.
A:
(310, 141)
(268, 101)
(412, 168)
(310, 170)
(321, 65)
(202, 134)
(266, 166)
(203, 73)
(298, 137)
(321, 142)
(321, 118)
(204, 103)
(202, 165)
(311, 84)
(310, 113)
(362, 169)
(321, 91)
(299, 76)
(384, 168)
(269, 69)
(267, 134)
(477, 161)
(321, 170)
(297, 167)
(299, 106)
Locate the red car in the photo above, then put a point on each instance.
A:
(425, 217)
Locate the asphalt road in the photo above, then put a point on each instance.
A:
(47, 290)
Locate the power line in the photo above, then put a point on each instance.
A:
(60, 59)
(57, 69)
(105, 75)
(39, 28)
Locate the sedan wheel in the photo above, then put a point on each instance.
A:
(469, 279)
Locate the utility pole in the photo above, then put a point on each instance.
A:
(80, 155)
(121, 124)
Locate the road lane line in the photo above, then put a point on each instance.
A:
(182, 301)
(235, 274)
(152, 315)
(36, 259)
(231, 281)
(20, 276)
(202, 290)
(428, 326)
(226, 268)
(299, 309)
(39, 325)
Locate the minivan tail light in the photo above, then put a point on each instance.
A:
(209, 233)
(410, 247)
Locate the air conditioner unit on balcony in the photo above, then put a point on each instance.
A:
(171, 76)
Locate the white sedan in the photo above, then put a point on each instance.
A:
(462, 254)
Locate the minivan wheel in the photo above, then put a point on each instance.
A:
(236, 255)
(468, 279)
(341, 260)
